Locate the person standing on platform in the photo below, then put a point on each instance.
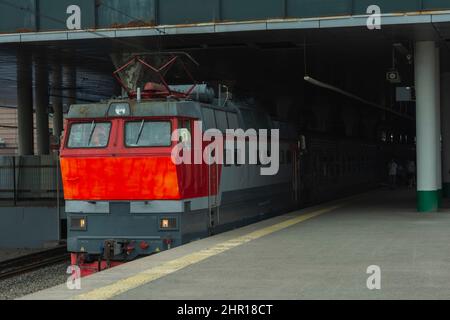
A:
(393, 168)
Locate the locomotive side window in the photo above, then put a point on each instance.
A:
(233, 121)
(209, 121)
(89, 135)
(249, 119)
(148, 134)
(262, 122)
(221, 119)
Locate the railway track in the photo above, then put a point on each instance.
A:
(24, 264)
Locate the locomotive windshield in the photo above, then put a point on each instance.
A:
(148, 134)
(89, 135)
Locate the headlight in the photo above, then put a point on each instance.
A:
(168, 224)
(119, 109)
(78, 223)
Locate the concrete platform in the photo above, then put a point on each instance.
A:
(317, 253)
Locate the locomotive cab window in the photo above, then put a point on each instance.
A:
(148, 134)
(89, 135)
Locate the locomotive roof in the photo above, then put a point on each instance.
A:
(153, 108)
(172, 108)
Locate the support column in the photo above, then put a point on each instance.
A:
(25, 103)
(57, 101)
(438, 127)
(445, 108)
(427, 127)
(71, 80)
(42, 102)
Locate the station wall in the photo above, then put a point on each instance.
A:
(47, 15)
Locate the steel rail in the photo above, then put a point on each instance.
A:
(27, 263)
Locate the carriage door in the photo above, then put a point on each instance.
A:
(213, 191)
(209, 122)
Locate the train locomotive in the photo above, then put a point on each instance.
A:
(125, 197)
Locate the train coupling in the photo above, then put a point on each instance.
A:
(113, 253)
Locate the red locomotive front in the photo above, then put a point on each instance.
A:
(126, 196)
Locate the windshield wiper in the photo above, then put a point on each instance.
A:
(141, 129)
(93, 126)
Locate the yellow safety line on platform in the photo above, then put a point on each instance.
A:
(170, 267)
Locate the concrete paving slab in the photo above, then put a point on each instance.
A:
(325, 257)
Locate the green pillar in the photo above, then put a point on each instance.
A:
(445, 108)
(427, 127)
(438, 127)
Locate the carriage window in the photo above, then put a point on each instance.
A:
(148, 134)
(89, 135)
